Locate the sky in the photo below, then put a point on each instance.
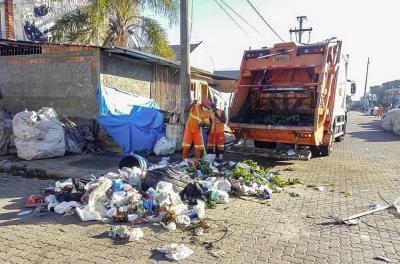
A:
(368, 28)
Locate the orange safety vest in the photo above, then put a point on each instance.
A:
(197, 116)
(217, 125)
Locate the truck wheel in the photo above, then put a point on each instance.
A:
(326, 149)
(264, 144)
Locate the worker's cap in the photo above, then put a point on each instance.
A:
(207, 103)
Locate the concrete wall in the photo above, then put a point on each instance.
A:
(126, 74)
(66, 81)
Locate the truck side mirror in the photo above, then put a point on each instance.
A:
(353, 88)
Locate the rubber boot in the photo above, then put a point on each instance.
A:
(197, 153)
(185, 152)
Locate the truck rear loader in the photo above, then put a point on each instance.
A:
(292, 94)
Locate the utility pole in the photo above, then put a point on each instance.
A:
(185, 63)
(365, 87)
(301, 30)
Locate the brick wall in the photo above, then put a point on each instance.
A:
(9, 18)
(126, 74)
(65, 81)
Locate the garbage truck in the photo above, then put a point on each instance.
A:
(292, 94)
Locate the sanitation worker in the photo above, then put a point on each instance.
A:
(199, 117)
(379, 112)
(216, 138)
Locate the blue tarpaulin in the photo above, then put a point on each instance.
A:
(136, 132)
(115, 102)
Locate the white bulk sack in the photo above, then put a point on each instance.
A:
(164, 147)
(38, 135)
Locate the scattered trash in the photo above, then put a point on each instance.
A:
(170, 226)
(219, 196)
(374, 205)
(65, 207)
(382, 258)
(355, 221)
(123, 232)
(164, 147)
(24, 213)
(175, 251)
(320, 188)
(291, 152)
(348, 194)
(293, 194)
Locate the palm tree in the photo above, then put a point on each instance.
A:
(118, 23)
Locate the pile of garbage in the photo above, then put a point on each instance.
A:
(391, 121)
(120, 197)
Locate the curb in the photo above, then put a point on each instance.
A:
(34, 172)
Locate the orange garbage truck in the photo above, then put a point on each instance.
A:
(293, 94)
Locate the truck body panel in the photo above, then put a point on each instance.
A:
(290, 94)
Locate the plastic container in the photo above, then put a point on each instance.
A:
(175, 132)
(134, 161)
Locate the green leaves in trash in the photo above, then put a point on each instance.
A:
(276, 180)
(293, 181)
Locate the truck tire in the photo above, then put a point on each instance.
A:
(322, 150)
(264, 144)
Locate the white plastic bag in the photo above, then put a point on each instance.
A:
(164, 147)
(38, 135)
(95, 210)
(220, 197)
(65, 207)
(175, 251)
(200, 209)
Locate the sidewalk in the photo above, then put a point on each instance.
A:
(77, 166)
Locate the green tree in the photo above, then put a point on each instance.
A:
(119, 23)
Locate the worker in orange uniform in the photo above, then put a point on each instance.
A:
(199, 117)
(216, 138)
(379, 112)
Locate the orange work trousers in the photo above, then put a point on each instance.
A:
(190, 138)
(219, 142)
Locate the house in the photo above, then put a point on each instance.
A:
(66, 77)
(31, 19)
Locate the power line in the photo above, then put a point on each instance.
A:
(244, 20)
(234, 21)
(258, 13)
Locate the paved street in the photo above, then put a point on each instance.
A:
(289, 230)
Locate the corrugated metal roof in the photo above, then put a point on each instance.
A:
(133, 53)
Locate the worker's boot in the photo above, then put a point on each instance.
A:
(197, 153)
(185, 152)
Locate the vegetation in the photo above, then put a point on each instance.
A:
(120, 23)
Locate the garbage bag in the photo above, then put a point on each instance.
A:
(95, 209)
(165, 194)
(164, 147)
(5, 135)
(220, 197)
(74, 142)
(38, 135)
(65, 207)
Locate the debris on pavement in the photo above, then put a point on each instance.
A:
(124, 232)
(374, 205)
(26, 212)
(320, 188)
(175, 251)
(382, 258)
